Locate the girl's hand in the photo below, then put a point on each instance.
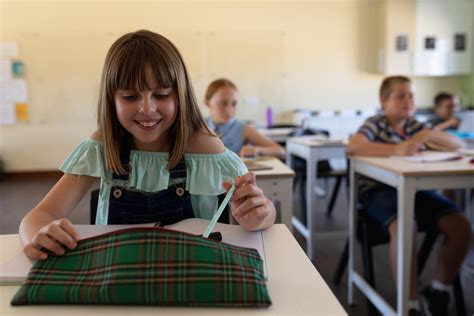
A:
(249, 206)
(248, 151)
(54, 237)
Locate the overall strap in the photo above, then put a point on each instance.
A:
(179, 171)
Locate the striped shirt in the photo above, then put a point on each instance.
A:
(378, 130)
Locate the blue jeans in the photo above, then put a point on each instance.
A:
(381, 204)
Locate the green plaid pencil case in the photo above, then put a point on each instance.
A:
(148, 266)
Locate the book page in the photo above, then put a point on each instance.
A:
(430, 156)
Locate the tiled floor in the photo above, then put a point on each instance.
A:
(18, 196)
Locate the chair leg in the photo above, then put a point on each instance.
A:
(342, 264)
(334, 196)
(425, 249)
(459, 296)
(303, 199)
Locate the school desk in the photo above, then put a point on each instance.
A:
(312, 149)
(407, 177)
(279, 134)
(295, 287)
(277, 185)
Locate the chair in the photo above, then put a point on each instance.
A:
(370, 234)
(324, 171)
(93, 206)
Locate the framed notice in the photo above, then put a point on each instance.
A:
(459, 42)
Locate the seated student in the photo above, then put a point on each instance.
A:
(222, 97)
(155, 157)
(444, 107)
(397, 132)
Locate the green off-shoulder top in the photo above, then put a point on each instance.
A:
(205, 174)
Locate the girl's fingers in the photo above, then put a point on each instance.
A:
(67, 226)
(59, 234)
(248, 178)
(31, 252)
(44, 241)
(246, 191)
(248, 206)
(256, 215)
(226, 185)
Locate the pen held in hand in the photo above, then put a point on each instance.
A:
(216, 216)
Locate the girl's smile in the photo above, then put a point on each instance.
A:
(147, 115)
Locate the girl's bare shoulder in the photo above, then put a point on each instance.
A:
(96, 135)
(205, 143)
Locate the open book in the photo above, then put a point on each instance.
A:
(15, 270)
(430, 156)
(255, 166)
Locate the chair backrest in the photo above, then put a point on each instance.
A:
(93, 205)
(308, 131)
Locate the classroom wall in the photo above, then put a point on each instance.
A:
(284, 54)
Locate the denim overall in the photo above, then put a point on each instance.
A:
(164, 207)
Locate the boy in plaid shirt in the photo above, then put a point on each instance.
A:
(397, 132)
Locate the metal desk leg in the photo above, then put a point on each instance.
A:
(352, 234)
(311, 174)
(406, 205)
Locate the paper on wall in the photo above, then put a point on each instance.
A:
(13, 91)
(7, 114)
(5, 70)
(8, 49)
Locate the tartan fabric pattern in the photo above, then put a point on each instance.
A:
(148, 266)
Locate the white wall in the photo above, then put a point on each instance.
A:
(285, 54)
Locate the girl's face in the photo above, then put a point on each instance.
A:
(399, 105)
(222, 104)
(147, 115)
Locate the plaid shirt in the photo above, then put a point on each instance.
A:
(377, 130)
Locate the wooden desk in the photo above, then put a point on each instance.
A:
(279, 135)
(277, 184)
(295, 287)
(407, 178)
(312, 150)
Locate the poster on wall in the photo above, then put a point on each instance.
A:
(401, 43)
(459, 42)
(430, 43)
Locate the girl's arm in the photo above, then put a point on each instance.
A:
(261, 145)
(249, 207)
(359, 145)
(46, 226)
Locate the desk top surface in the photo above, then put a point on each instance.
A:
(318, 141)
(280, 131)
(295, 287)
(279, 169)
(409, 168)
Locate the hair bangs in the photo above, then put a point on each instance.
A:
(134, 66)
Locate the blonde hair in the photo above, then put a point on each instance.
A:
(125, 68)
(216, 85)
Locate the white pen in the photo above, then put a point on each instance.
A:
(221, 208)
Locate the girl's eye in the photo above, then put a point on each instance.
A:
(131, 97)
(161, 96)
